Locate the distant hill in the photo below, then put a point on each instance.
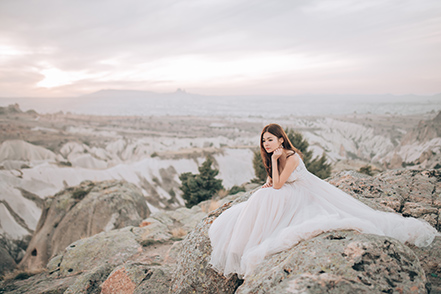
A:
(133, 102)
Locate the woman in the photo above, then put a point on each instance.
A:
(295, 205)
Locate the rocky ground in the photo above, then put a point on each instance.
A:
(42, 155)
(168, 251)
(53, 131)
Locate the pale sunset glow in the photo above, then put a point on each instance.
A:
(54, 77)
(221, 48)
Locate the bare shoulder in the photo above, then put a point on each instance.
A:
(292, 160)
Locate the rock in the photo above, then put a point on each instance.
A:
(90, 280)
(430, 259)
(39, 283)
(409, 192)
(10, 109)
(111, 248)
(355, 262)
(344, 262)
(153, 259)
(192, 275)
(7, 263)
(396, 161)
(139, 259)
(138, 278)
(23, 151)
(119, 282)
(340, 262)
(92, 208)
(425, 131)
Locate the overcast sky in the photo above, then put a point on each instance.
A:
(288, 47)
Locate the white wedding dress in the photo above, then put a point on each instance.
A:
(274, 220)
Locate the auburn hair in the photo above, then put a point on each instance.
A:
(277, 131)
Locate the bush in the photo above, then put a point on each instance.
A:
(367, 170)
(236, 189)
(259, 168)
(202, 186)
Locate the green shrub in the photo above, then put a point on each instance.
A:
(367, 170)
(236, 189)
(202, 186)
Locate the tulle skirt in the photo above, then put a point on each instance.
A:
(272, 220)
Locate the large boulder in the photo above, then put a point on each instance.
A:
(192, 275)
(412, 193)
(7, 263)
(430, 259)
(84, 264)
(128, 260)
(340, 262)
(83, 211)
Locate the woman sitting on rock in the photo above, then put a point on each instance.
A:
(295, 205)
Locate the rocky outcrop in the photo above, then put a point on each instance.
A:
(10, 109)
(192, 275)
(430, 259)
(128, 260)
(409, 192)
(424, 132)
(6, 261)
(153, 258)
(83, 211)
(19, 150)
(420, 148)
(340, 262)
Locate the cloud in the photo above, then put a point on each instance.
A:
(194, 43)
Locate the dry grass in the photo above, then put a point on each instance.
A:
(223, 193)
(209, 206)
(178, 232)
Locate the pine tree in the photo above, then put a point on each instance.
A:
(319, 165)
(202, 186)
(259, 168)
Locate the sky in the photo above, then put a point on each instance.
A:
(60, 48)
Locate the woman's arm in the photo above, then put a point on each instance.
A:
(291, 164)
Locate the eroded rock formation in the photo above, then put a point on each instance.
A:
(83, 211)
(153, 258)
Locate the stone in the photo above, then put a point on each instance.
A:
(192, 275)
(340, 262)
(112, 248)
(430, 259)
(408, 192)
(92, 208)
(151, 259)
(7, 263)
(138, 278)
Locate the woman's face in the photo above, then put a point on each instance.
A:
(271, 142)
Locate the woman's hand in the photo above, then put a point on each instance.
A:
(267, 185)
(277, 153)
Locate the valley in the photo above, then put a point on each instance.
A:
(42, 154)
